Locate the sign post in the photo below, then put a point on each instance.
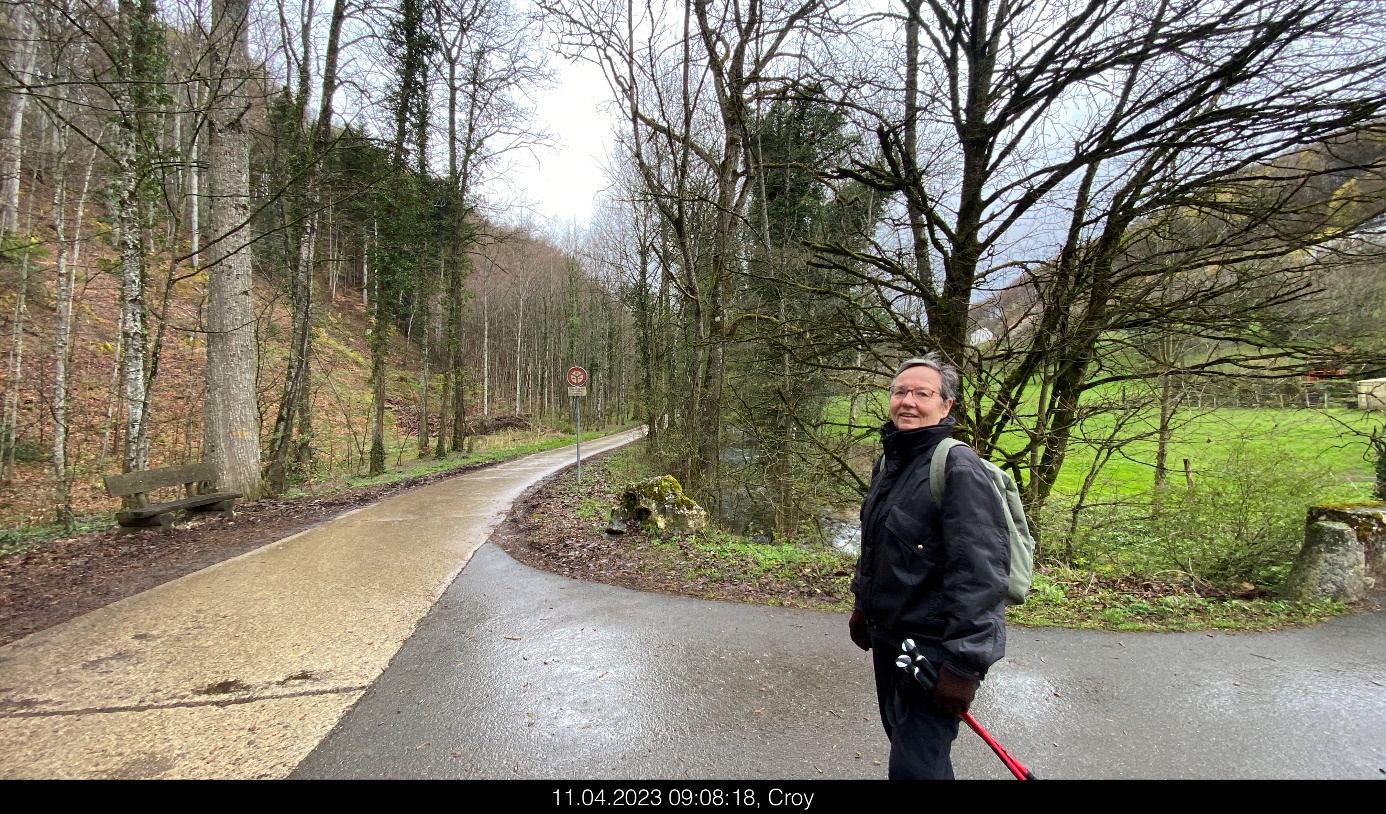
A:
(577, 388)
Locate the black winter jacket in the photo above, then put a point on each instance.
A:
(937, 575)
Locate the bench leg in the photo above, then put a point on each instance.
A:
(161, 521)
(223, 507)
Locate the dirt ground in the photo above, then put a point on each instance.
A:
(559, 527)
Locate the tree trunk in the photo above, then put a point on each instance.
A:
(61, 331)
(9, 433)
(424, 349)
(194, 186)
(132, 328)
(13, 149)
(1162, 437)
(231, 433)
(380, 345)
(519, 333)
(486, 353)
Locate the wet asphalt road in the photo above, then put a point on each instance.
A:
(517, 673)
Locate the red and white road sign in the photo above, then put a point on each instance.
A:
(577, 377)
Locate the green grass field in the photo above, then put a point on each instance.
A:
(1307, 440)
(1255, 472)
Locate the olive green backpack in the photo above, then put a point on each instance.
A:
(1022, 544)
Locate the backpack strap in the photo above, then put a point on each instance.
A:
(938, 464)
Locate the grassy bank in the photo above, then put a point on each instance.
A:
(1074, 598)
(803, 573)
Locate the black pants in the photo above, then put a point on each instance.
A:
(921, 737)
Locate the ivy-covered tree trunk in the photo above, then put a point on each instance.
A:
(380, 345)
(136, 56)
(294, 416)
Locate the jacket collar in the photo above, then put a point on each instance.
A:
(905, 445)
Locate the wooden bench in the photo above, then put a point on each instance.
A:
(146, 515)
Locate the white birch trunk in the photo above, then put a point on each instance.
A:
(61, 332)
(194, 185)
(13, 144)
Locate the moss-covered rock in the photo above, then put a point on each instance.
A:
(660, 503)
(1331, 565)
(1368, 521)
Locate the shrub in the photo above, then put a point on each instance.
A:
(30, 452)
(1246, 524)
(1243, 521)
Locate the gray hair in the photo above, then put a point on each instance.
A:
(947, 374)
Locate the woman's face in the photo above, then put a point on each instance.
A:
(921, 405)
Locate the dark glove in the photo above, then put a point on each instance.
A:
(954, 693)
(856, 626)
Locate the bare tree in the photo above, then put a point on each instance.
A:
(687, 86)
(1087, 151)
(489, 60)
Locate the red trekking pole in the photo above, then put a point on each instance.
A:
(913, 662)
(1020, 772)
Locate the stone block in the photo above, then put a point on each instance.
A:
(1331, 565)
(1369, 521)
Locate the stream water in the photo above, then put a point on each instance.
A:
(750, 510)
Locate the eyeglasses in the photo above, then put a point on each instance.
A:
(920, 393)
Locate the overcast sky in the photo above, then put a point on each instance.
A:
(562, 181)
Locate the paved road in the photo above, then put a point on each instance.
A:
(240, 669)
(521, 674)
